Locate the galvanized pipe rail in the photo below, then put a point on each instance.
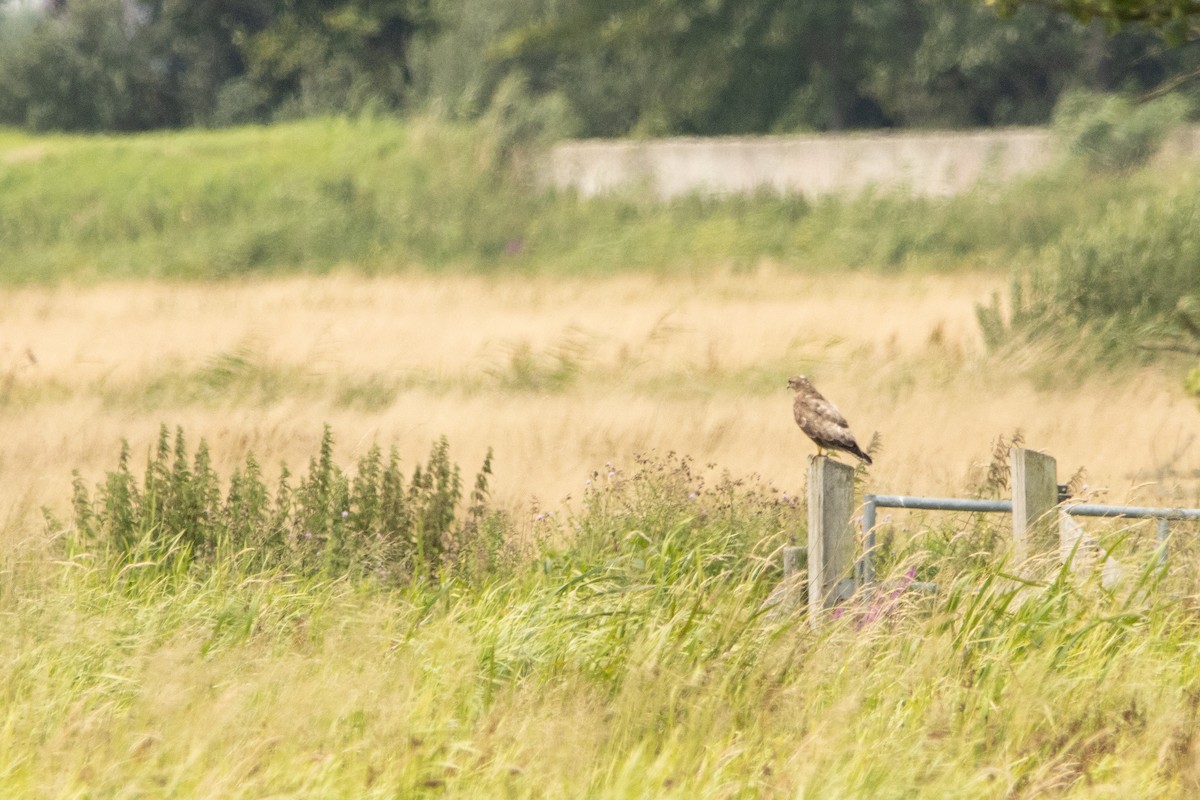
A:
(871, 502)
(1136, 512)
(866, 567)
(1164, 516)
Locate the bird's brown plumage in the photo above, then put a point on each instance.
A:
(821, 421)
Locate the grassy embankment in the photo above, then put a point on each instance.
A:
(630, 658)
(384, 197)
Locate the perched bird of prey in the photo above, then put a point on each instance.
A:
(821, 421)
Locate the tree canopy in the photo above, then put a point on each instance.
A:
(739, 66)
(132, 64)
(1175, 19)
(585, 67)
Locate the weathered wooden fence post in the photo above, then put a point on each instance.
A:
(1034, 497)
(1077, 548)
(791, 562)
(786, 598)
(830, 537)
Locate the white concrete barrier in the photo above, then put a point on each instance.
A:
(928, 163)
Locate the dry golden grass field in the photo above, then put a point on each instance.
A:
(641, 668)
(560, 376)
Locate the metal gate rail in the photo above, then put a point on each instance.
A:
(871, 502)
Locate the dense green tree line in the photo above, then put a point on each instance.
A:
(137, 64)
(583, 67)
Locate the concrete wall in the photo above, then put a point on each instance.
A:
(935, 164)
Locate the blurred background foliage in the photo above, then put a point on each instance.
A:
(568, 67)
(1098, 244)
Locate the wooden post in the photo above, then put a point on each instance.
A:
(786, 598)
(791, 562)
(1034, 497)
(1078, 549)
(830, 537)
(793, 581)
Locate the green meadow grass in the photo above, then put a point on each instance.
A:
(383, 195)
(624, 645)
(632, 650)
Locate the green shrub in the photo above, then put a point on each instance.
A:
(1135, 264)
(1119, 280)
(1111, 132)
(374, 523)
(518, 121)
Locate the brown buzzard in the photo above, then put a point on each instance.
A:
(821, 421)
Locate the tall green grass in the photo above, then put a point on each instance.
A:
(635, 654)
(383, 195)
(373, 523)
